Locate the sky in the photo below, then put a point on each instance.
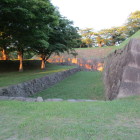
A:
(97, 14)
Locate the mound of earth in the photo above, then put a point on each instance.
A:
(88, 53)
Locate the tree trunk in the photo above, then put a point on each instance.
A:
(4, 55)
(20, 57)
(100, 44)
(113, 44)
(43, 62)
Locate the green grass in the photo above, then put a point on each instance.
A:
(136, 35)
(112, 48)
(124, 43)
(82, 85)
(11, 78)
(111, 120)
(100, 120)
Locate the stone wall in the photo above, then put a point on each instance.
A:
(29, 88)
(122, 71)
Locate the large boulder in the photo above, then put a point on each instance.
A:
(122, 71)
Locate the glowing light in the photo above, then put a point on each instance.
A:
(74, 61)
(88, 64)
(100, 67)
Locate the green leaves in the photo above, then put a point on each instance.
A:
(133, 23)
(36, 25)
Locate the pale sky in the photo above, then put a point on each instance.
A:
(97, 14)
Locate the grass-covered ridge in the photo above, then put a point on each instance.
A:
(89, 53)
(115, 120)
(136, 35)
(123, 44)
(82, 85)
(11, 78)
(99, 52)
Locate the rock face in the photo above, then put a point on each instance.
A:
(29, 88)
(122, 71)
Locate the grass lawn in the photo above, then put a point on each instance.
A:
(89, 53)
(110, 120)
(82, 85)
(11, 78)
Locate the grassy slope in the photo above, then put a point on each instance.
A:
(136, 35)
(93, 52)
(88, 53)
(98, 52)
(10, 78)
(104, 51)
(82, 85)
(115, 120)
(125, 42)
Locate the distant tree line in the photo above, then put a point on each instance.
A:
(35, 26)
(112, 36)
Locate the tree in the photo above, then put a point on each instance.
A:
(87, 36)
(133, 23)
(63, 37)
(24, 21)
(113, 36)
(99, 40)
(4, 43)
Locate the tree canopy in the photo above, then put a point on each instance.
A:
(112, 36)
(133, 23)
(35, 25)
